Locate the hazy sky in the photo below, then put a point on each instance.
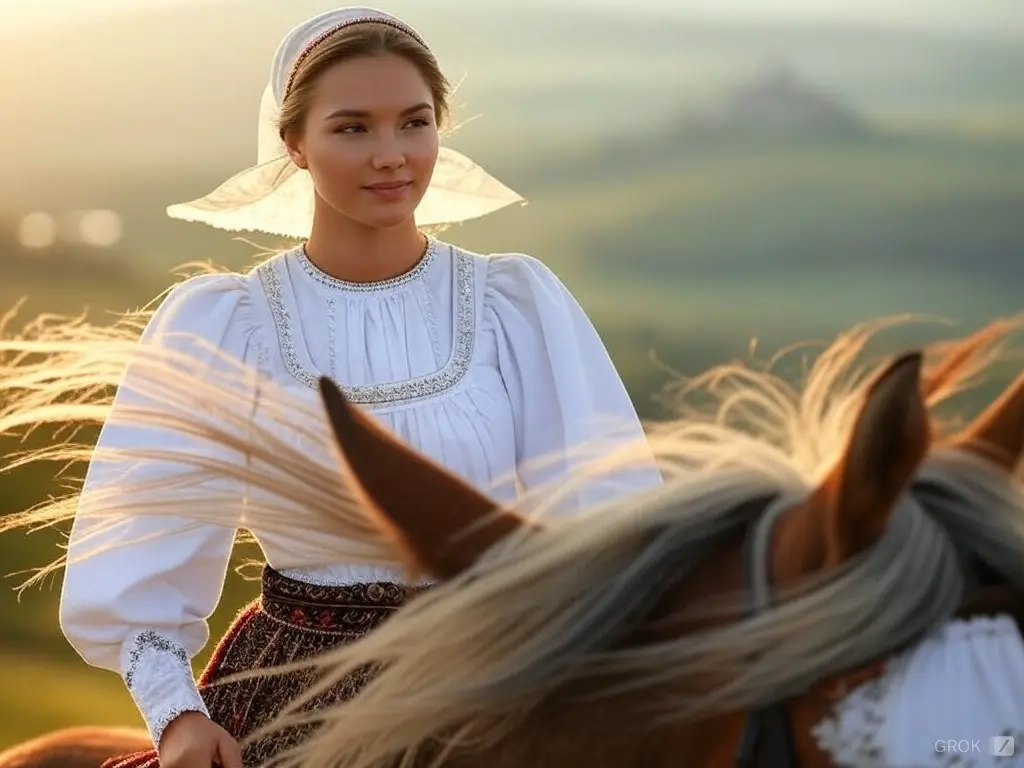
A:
(40, 13)
(1005, 16)
(999, 15)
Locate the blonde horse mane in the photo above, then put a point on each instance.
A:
(222, 466)
(472, 657)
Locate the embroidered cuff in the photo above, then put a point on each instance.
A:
(159, 677)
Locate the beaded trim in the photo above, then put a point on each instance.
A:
(336, 576)
(332, 337)
(151, 641)
(158, 675)
(158, 726)
(337, 284)
(410, 391)
(312, 44)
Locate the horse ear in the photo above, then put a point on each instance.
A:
(998, 433)
(890, 439)
(441, 523)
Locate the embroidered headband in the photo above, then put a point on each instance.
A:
(313, 44)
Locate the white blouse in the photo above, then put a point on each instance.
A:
(482, 363)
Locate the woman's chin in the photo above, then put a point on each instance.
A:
(386, 216)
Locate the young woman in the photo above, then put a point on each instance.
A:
(486, 364)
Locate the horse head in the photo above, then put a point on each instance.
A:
(717, 621)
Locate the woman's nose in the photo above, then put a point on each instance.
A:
(388, 154)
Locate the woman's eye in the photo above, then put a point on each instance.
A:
(416, 122)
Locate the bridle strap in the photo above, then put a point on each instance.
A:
(768, 732)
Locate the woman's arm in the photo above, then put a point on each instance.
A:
(138, 590)
(569, 403)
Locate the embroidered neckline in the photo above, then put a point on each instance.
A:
(337, 284)
(389, 393)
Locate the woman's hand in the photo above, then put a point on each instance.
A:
(192, 740)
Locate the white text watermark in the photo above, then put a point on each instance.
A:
(998, 746)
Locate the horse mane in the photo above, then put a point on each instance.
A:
(540, 614)
(223, 468)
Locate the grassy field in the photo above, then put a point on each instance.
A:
(680, 250)
(84, 695)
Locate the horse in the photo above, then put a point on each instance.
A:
(787, 598)
(82, 747)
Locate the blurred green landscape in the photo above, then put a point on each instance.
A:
(697, 185)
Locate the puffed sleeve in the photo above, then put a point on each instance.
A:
(566, 394)
(140, 608)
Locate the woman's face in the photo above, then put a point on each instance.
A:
(370, 139)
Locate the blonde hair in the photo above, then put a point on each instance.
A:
(356, 41)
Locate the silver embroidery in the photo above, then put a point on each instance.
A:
(344, 576)
(159, 677)
(336, 284)
(332, 337)
(159, 725)
(389, 393)
(151, 641)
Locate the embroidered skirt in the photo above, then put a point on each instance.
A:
(290, 621)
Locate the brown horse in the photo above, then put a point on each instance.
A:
(728, 618)
(590, 687)
(85, 747)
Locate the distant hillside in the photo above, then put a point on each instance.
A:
(778, 103)
(686, 208)
(130, 96)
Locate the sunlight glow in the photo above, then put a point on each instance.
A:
(37, 230)
(28, 16)
(100, 228)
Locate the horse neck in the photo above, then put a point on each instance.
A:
(618, 732)
(614, 731)
(607, 733)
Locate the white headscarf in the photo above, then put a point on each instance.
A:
(276, 196)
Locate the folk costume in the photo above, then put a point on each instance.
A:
(482, 363)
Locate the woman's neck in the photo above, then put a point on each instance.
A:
(360, 254)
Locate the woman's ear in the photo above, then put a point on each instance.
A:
(296, 151)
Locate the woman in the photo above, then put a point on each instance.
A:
(485, 364)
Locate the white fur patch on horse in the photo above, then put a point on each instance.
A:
(956, 699)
